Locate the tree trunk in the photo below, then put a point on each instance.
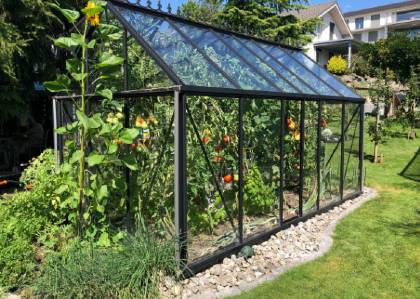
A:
(376, 148)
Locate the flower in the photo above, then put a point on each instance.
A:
(111, 118)
(228, 179)
(226, 139)
(296, 135)
(152, 120)
(141, 123)
(119, 142)
(205, 139)
(291, 124)
(92, 19)
(324, 123)
(206, 132)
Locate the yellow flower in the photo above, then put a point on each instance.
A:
(296, 135)
(152, 120)
(141, 123)
(206, 132)
(94, 20)
(119, 115)
(90, 4)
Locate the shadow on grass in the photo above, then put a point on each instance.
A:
(412, 169)
(405, 228)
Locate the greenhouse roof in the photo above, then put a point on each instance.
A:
(206, 59)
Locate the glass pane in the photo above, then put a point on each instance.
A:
(323, 74)
(212, 215)
(261, 165)
(351, 149)
(299, 70)
(310, 187)
(259, 64)
(188, 64)
(291, 160)
(330, 153)
(226, 59)
(297, 83)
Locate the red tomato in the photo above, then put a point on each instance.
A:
(218, 148)
(226, 139)
(205, 139)
(218, 159)
(228, 179)
(133, 146)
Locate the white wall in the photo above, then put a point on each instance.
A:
(323, 33)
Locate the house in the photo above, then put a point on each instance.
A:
(372, 24)
(332, 35)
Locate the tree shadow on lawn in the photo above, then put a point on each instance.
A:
(408, 228)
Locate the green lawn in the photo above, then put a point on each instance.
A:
(376, 251)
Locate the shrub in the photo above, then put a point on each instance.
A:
(23, 217)
(132, 270)
(337, 65)
(361, 66)
(258, 196)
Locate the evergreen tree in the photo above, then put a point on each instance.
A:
(268, 19)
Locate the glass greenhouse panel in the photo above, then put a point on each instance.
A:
(330, 159)
(351, 149)
(323, 74)
(228, 60)
(310, 187)
(261, 122)
(212, 207)
(151, 185)
(188, 64)
(276, 65)
(291, 189)
(299, 70)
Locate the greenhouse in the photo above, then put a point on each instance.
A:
(244, 137)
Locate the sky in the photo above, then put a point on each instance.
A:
(346, 5)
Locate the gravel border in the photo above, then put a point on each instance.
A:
(287, 249)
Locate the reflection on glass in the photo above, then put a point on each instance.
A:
(330, 159)
(189, 65)
(225, 58)
(299, 70)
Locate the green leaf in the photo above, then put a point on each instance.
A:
(127, 135)
(62, 83)
(103, 192)
(61, 189)
(66, 42)
(70, 15)
(104, 240)
(77, 155)
(100, 209)
(109, 60)
(91, 44)
(130, 162)
(112, 148)
(87, 122)
(95, 159)
(106, 93)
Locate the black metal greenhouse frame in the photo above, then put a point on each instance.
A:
(180, 93)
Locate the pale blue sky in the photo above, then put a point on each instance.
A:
(346, 5)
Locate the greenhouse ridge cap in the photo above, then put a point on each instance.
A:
(196, 23)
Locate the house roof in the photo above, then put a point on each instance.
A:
(381, 8)
(310, 12)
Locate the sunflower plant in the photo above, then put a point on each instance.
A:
(94, 177)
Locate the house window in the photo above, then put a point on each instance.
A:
(357, 36)
(375, 17)
(373, 36)
(360, 23)
(332, 28)
(408, 15)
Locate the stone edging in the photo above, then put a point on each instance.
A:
(287, 249)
